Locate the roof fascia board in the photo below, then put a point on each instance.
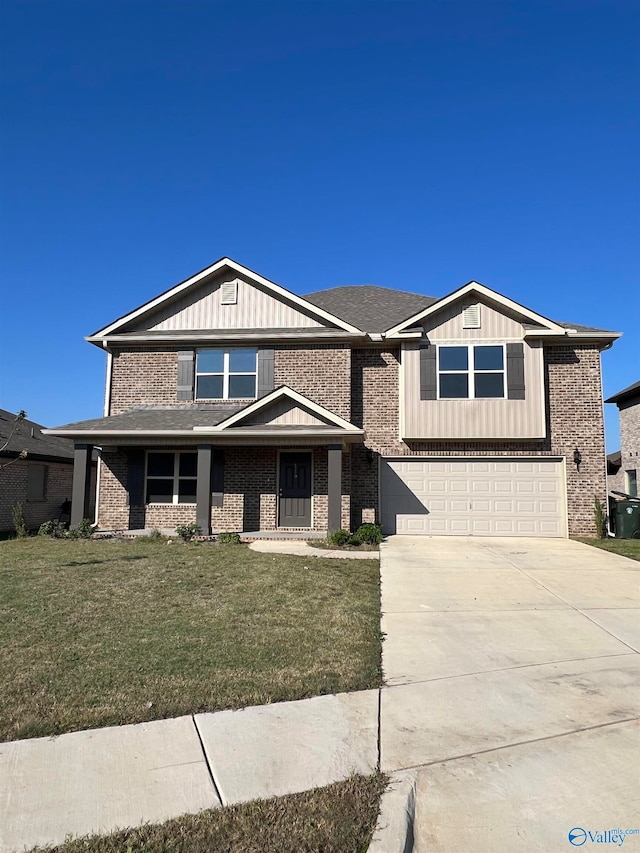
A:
(270, 398)
(198, 432)
(481, 290)
(225, 335)
(216, 267)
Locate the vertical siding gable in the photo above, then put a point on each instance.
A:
(202, 308)
(497, 323)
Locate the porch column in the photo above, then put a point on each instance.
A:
(334, 486)
(81, 489)
(203, 489)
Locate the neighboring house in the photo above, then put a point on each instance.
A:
(239, 405)
(42, 480)
(624, 466)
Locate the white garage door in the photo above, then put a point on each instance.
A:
(473, 497)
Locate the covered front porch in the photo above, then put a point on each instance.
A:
(280, 464)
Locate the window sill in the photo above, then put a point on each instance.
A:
(170, 504)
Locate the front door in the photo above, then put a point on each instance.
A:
(294, 504)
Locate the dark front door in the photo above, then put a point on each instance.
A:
(294, 505)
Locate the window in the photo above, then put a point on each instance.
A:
(631, 482)
(471, 372)
(36, 482)
(226, 374)
(171, 478)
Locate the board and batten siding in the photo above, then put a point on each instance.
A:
(285, 413)
(472, 419)
(255, 308)
(447, 325)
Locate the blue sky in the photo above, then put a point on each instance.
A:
(415, 145)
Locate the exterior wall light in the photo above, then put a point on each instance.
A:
(577, 458)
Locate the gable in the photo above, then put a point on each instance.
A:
(473, 293)
(285, 412)
(203, 307)
(495, 322)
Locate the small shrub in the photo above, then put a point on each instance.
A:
(187, 531)
(19, 524)
(339, 537)
(228, 538)
(368, 534)
(155, 534)
(83, 530)
(54, 529)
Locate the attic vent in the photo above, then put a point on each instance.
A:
(471, 317)
(229, 293)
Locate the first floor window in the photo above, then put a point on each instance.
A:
(36, 482)
(631, 482)
(171, 478)
(471, 372)
(226, 374)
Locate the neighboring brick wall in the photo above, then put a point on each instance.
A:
(13, 488)
(321, 372)
(574, 418)
(630, 437)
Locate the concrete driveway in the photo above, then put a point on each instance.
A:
(513, 669)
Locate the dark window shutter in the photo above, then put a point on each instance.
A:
(135, 477)
(428, 377)
(265, 371)
(185, 374)
(217, 477)
(515, 371)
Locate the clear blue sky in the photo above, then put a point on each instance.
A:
(414, 145)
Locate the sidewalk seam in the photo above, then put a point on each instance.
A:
(216, 789)
(519, 743)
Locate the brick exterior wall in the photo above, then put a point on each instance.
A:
(574, 419)
(321, 372)
(360, 385)
(629, 439)
(249, 502)
(13, 488)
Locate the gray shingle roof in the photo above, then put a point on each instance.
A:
(625, 394)
(145, 418)
(369, 307)
(28, 436)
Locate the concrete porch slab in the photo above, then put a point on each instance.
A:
(528, 798)
(426, 646)
(99, 781)
(433, 721)
(273, 750)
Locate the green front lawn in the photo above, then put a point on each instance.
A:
(105, 633)
(625, 547)
(337, 819)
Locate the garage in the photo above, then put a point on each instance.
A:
(473, 496)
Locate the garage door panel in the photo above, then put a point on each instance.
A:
(505, 497)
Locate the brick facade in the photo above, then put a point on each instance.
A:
(629, 442)
(574, 419)
(361, 385)
(13, 489)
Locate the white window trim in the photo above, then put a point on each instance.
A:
(226, 373)
(176, 479)
(471, 371)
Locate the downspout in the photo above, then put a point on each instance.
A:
(610, 532)
(105, 411)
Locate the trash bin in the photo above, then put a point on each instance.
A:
(628, 520)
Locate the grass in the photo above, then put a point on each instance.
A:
(105, 633)
(625, 547)
(337, 819)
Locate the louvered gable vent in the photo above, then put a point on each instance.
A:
(471, 317)
(229, 293)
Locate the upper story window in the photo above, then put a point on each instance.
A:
(226, 374)
(471, 372)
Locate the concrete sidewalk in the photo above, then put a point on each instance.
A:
(301, 549)
(100, 780)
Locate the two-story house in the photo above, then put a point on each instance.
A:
(240, 405)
